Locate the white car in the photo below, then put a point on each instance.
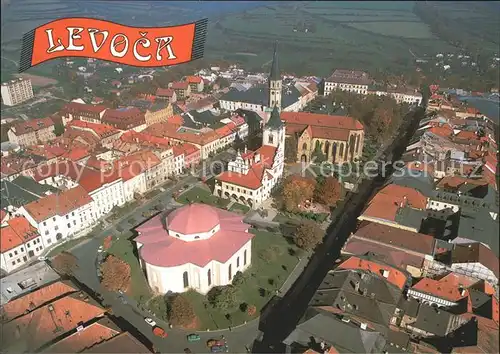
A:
(150, 321)
(100, 249)
(42, 258)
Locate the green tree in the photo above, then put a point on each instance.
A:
(59, 129)
(318, 155)
(224, 298)
(291, 148)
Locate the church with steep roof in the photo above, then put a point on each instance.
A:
(251, 177)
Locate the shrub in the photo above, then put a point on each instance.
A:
(251, 310)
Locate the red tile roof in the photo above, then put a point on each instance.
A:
(447, 288)
(391, 236)
(321, 120)
(454, 182)
(101, 130)
(76, 154)
(176, 119)
(443, 131)
(173, 131)
(166, 92)
(387, 202)
(17, 232)
(194, 79)
(49, 322)
(132, 165)
(35, 299)
(91, 335)
(89, 179)
(253, 179)
(163, 250)
(32, 126)
(179, 85)
(144, 139)
(121, 343)
(58, 204)
(395, 276)
(75, 107)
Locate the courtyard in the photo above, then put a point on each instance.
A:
(203, 195)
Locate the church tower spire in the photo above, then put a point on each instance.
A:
(275, 84)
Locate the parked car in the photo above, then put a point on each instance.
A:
(193, 337)
(100, 249)
(42, 258)
(150, 321)
(219, 349)
(159, 332)
(216, 342)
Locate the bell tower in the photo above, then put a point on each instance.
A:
(275, 84)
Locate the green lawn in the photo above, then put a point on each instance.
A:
(284, 218)
(125, 250)
(201, 195)
(257, 290)
(236, 207)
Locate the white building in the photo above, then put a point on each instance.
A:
(59, 216)
(20, 243)
(16, 91)
(252, 175)
(195, 247)
(347, 80)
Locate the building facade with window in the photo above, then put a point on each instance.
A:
(194, 247)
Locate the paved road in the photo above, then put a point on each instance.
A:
(280, 320)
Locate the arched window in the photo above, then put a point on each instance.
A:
(341, 153)
(334, 152)
(304, 146)
(209, 277)
(327, 149)
(238, 262)
(358, 138)
(185, 279)
(245, 258)
(230, 272)
(271, 138)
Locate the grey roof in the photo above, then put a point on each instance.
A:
(479, 227)
(375, 300)
(274, 121)
(21, 191)
(275, 70)
(414, 179)
(434, 320)
(397, 342)
(409, 305)
(327, 327)
(410, 217)
(259, 95)
(26, 280)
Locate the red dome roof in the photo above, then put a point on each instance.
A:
(193, 219)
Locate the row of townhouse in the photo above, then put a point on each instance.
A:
(32, 132)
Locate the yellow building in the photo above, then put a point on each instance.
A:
(158, 112)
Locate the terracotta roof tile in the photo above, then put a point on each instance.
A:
(49, 322)
(17, 232)
(321, 120)
(165, 92)
(386, 203)
(253, 179)
(32, 126)
(35, 299)
(101, 130)
(91, 335)
(58, 204)
(179, 85)
(121, 343)
(447, 288)
(194, 79)
(75, 107)
(394, 276)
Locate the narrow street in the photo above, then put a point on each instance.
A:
(279, 320)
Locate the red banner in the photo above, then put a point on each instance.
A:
(104, 40)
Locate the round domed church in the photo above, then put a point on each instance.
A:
(196, 246)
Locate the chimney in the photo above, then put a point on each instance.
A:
(385, 273)
(356, 286)
(462, 291)
(363, 326)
